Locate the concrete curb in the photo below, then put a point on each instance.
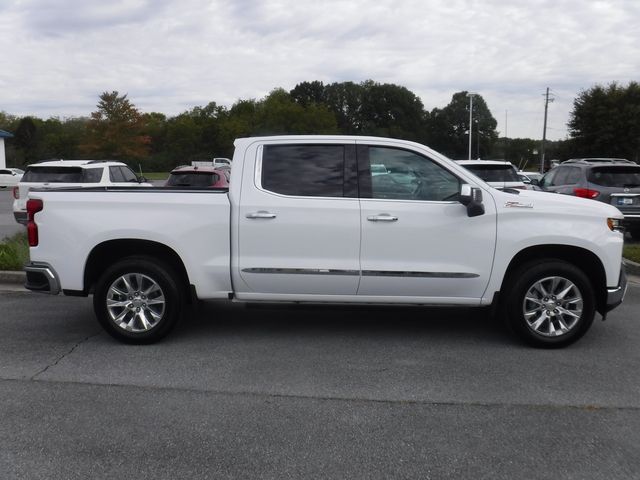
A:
(15, 278)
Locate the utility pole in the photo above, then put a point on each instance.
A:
(544, 129)
(471, 94)
(505, 123)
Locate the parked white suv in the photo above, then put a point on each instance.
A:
(9, 177)
(71, 173)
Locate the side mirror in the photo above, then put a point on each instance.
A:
(142, 179)
(471, 197)
(535, 181)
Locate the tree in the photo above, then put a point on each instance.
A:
(279, 114)
(26, 139)
(449, 127)
(367, 108)
(307, 93)
(605, 121)
(115, 130)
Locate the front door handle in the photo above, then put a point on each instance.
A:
(383, 217)
(261, 214)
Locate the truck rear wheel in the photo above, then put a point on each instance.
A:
(137, 300)
(550, 303)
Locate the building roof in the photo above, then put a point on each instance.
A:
(4, 134)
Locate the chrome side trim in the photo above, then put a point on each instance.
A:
(366, 273)
(389, 273)
(301, 271)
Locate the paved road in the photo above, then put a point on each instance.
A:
(301, 392)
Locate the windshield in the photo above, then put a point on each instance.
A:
(618, 176)
(494, 173)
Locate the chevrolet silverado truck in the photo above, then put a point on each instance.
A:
(330, 219)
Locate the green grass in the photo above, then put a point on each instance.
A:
(156, 175)
(14, 252)
(632, 252)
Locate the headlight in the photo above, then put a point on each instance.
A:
(615, 225)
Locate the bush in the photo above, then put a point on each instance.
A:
(14, 252)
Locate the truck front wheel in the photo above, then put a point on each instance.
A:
(549, 304)
(137, 300)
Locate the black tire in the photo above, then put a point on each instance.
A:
(138, 322)
(548, 316)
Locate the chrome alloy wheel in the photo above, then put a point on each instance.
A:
(552, 306)
(135, 302)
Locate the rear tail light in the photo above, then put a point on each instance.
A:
(16, 193)
(34, 205)
(585, 193)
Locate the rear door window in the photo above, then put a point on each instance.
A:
(115, 175)
(53, 175)
(618, 176)
(304, 170)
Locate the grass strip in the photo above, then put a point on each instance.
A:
(632, 252)
(14, 252)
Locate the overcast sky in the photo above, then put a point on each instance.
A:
(169, 56)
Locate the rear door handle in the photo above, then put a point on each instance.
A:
(383, 217)
(261, 214)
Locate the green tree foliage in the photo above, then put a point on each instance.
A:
(605, 121)
(449, 127)
(116, 130)
(368, 108)
(26, 138)
(278, 113)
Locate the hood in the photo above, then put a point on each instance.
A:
(553, 202)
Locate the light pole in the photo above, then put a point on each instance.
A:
(471, 94)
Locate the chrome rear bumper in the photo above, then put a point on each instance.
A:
(42, 278)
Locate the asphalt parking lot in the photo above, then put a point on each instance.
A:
(314, 392)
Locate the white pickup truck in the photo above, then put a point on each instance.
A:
(331, 219)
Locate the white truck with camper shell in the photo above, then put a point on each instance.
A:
(337, 219)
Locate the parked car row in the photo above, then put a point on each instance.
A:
(10, 177)
(615, 181)
(102, 173)
(610, 180)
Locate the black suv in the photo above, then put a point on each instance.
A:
(615, 181)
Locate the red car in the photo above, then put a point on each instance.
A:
(198, 177)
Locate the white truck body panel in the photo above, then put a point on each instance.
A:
(195, 225)
(325, 249)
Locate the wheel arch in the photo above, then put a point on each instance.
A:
(582, 258)
(107, 253)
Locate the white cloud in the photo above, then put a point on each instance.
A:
(172, 56)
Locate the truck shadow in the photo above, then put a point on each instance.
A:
(220, 319)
